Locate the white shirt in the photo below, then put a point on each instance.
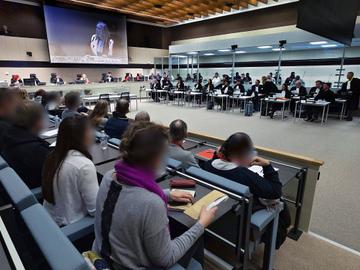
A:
(297, 91)
(216, 81)
(75, 190)
(348, 85)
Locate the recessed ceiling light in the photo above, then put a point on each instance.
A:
(179, 56)
(329, 46)
(192, 53)
(224, 50)
(208, 54)
(240, 52)
(278, 49)
(265, 47)
(318, 42)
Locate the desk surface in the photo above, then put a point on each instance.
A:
(105, 167)
(101, 156)
(201, 191)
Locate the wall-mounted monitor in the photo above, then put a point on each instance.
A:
(85, 37)
(333, 19)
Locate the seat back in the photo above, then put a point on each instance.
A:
(174, 164)
(19, 194)
(54, 245)
(3, 163)
(105, 97)
(219, 181)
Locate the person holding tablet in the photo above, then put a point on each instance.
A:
(131, 222)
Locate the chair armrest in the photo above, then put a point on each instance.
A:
(79, 229)
(37, 193)
(174, 164)
(260, 219)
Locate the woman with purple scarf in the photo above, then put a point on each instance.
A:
(131, 224)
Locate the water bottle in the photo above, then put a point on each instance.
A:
(104, 140)
(57, 121)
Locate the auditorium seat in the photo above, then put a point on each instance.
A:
(79, 229)
(57, 249)
(174, 164)
(3, 163)
(193, 265)
(19, 194)
(115, 141)
(37, 193)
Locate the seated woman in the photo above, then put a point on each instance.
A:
(24, 150)
(233, 160)
(70, 183)
(273, 107)
(99, 116)
(131, 222)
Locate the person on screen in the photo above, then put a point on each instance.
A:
(101, 41)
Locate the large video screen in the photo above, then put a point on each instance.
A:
(85, 37)
(333, 19)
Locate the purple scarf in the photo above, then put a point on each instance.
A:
(138, 177)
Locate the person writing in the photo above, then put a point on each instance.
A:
(69, 179)
(131, 215)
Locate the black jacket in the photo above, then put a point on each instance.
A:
(180, 86)
(269, 88)
(26, 154)
(268, 188)
(353, 94)
(253, 90)
(328, 95)
(312, 91)
(229, 91)
(239, 87)
(302, 91)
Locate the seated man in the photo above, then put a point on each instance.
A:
(297, 90)
(72, 103)
(178, 133)
(116, 125)
(324, 94)
(314, 91)
(239, 88)
(8, 104)
(25, 151)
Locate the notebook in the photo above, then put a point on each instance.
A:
(194, 210)
(206, 154)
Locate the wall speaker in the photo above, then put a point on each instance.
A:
(29, 54)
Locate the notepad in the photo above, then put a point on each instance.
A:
(194, 210)
(50, 133)
(259, 170)
(206, 154)
(192, 192)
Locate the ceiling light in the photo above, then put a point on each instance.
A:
(192, 53)
(329, 46)
(265, 47)
(179, 56)
(278, 49)
(208, 54)
(240, 52)
(224, 50)
(318, 42)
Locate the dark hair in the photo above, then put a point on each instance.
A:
(28, 114)
(142, 143)
(142, 116)
(72, 100)
(238, 144)
(285, 86)
(328, 84)
(122, 106)
(178, 130)
(6, 92)
(70, 137)
(41, 93)
(318, 81)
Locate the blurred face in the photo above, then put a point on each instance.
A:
(283, 87)
(318, 85)
(326, 87)
(257, 82)
(298, 84)
(244, 160)
(349, 76)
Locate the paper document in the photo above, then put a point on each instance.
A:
(50, 133)
(195, 209)
(53, 144)
(259, 170)
(192, 192)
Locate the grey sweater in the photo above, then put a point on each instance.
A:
(139, 234)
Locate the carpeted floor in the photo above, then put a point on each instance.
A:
(336, 209)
